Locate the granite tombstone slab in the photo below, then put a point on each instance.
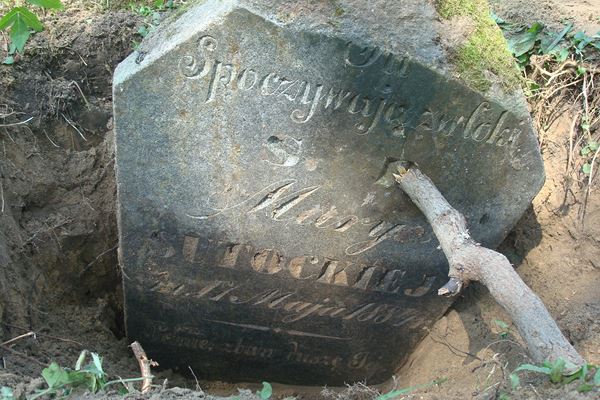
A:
(259, 236)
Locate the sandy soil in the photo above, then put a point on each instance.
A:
(59, 275)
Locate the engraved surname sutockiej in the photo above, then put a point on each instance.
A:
(325, 270)
(482, 125)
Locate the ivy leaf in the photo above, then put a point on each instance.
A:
(515, 382)
(548, 44)
(524, 42)
(29, 18)
(533, 368)
(6, 393)
(560, 53)
(266, 392)
(19, 34)
(55, 375)
(586, 168)
(51, 4)
(556, 371)
(20, 20)
(501, 324)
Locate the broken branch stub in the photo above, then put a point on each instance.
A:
(468, 261)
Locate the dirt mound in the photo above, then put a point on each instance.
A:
(59, 272)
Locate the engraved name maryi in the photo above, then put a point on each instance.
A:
(280, 205)
(482, 125)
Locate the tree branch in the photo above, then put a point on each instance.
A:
(145, 364)
(469, 261)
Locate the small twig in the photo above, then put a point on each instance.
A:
(571, 147)
(145, 365)
(589, 187)
(98, 257)
(42, 335)
(51, 141)
(16, 339)
(81, 92)
(198, 388)
(454, 349)
(17, 123)
(1, 197)
(74, 127)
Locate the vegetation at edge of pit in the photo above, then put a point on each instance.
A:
(21, 21)
(568, 53)
(63, 382)
(558, 372)
(484, 49)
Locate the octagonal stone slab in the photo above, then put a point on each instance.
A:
(259, 236)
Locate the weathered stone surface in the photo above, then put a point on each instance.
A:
(260, 239)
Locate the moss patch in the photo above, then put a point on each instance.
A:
(485, 48)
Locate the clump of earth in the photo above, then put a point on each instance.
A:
(59, 274)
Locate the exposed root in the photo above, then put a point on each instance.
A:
(555, 88)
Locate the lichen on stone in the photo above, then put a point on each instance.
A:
(484, 49)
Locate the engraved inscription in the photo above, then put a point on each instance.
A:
(292, 308)
(383, 110)
(324, 270)
(294, 352)
(274, 201)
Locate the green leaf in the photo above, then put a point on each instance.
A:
(597, 377)
(497, 19)
(98, 363)
(560, 53)
(51, 4)
(533, 368)
(515, 382)
(19, 34)
(395, 393)
(266, 392)
(556, 372)
(593, 145)
(585, 387)
(586, 168)
(501, 324)
(29, 18)
(80, 360)
(6, 393)
(20, 21)
(55, 375)
(524, 42)
(546, 46)
(400, 392)
(580, 70)
(9, 60)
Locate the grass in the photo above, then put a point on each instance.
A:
(558, 372)
(484, 49)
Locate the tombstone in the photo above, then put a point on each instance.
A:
(260, 238)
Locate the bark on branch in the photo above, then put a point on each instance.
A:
(145, 364)
(470, 262)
